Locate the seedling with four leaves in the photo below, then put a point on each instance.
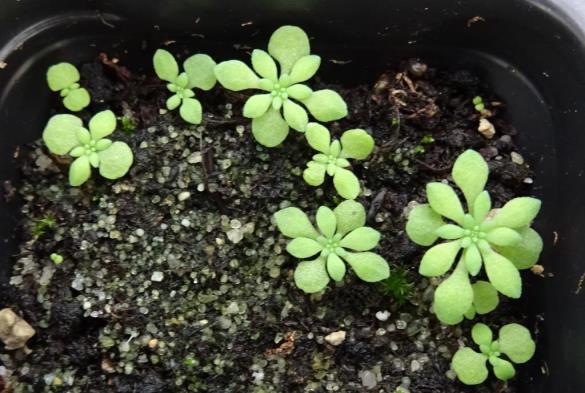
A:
(339, 229)
(65, 134)
(500, 240)
(274, 111)
(514, 341)
(64, 78)
(332, 158)
(198, 73)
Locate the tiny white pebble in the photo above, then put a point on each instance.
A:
(157, 276)
(383, 315)
(185, 222)
(184, 195)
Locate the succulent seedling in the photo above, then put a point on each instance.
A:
(198, 74)
(478, 104)
(500, 240)
(332, 158)
(514, 341)
(56, 258)
(64, 78)
(339, 229)
(65, 134)
(275, 110)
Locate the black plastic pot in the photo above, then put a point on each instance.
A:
(531, 52)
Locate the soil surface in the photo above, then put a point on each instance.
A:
(175, 278)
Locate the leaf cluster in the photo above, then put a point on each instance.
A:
(64, 78)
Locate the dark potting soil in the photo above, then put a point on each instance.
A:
(175, 279)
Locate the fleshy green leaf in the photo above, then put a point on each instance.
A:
(287, 45)
(311, 276)
(439, 259)
(77, 99)
(318, 137)
(200, 71)
(361, 239)
(503, 275)
(453, 297)
(326, 221)
(326, 105)
(503, 369)
(526, 253)
(350, 215)
(270, 129)
(444, 201)
(346, 183)
(482, 334)
(236, 75)
(335, 267)
(485, 297)
(60, 133)
(450, 232)
(503, 237)
(83, 136)
(191, 111)
(305, 68)
(356, 144)
(472, 259)
(116, 160)
(79, 171)
(470, 366)
(61, 76)
(94, 159)
(295, 115)
(422, 225)
(103, 144)
(516, 342)
(314, 174)
(303, 247)
(257, 105)
(299, 92)
(173, 102)
(482, 206)
(368, 266)
(293, 223)
(264, 65)
(470, 173)
(517, 213)
(165, 65)
(102, 124)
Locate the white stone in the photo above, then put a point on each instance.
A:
(14, 331)
(157, 276)
(383, 315)
(486, 128)
(336, 338)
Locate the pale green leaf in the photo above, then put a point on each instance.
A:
(103, 144)
(236, 75)
(470, 366)
(450, 232)
(444, 201)
(257, 105)
(303, 247)
(287, 45)
(191, 111)
(503, 275)
(326, 221)
(165, 65)
(439, 259)
(485, 297)
(173, 102)
(79, 151)
(503, 237)
(453, 297)
(311, 276)
(264, 65)
(83, 136)
(77, 99)
(293, 223)
(270, 129)
(346, 183)
(318, 137)
(314, 174)
(102, 124)
(361, 239)
(182, 80)
(79, 171)
(335, 267)
(299, 92)
(470, 173)
(326, 105)
(60, 133)
(516, 342)
(517, 213)
(116, 160)
(305, 68)
(295, 115)
(350, 215)
(482, 206)
(422, 225)
(503, 369)
(482, 334)
(94, 159)
(526, 253)
(472, 259)
(200, 71)
(368, 266)
(356, 144)
(61, 76)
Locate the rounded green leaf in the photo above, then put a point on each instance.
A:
(453, 297)
(470, 173)
(311, 276)
(299, 92)
(517, 213)
(83, 136)
(305, 68)
(94, 160)
(79, 171)
(450, 232)
(318, 137)
(503, 369)
(257, 105)
(78, 151)
(270, 129)
(361, 239)
(264, 65)
(350, 215)
(303, 247)
(346, 183)
(200, 71)
(61, 76)
(439, 259)
(314, 174)
(287, 45)
(444, 201)
(470, 366)
(485, 297)
(191, 111)
(326, 221)
(526, 253)
(516, 342)
(293, 223)
(236, 75)
(326, 105)
(77, 99)
(103, 144)
(335, 267)
(503, 237)
(60, 133)
(102, 124)
(422, 225)
(182, 80)
(295, 115)
(503, 275)
(173, 102)
(472, 259)
(356, 144)
(165, 65)
(482, 334)
(482, 206)
(116, 160)
(368, 266)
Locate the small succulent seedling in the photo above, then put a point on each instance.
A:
(64, 78)
(500, 240)
(56, 258)
(198, 74)
(478, 104)
(289, 45)
(65, 134)
(514, 341)
(339, 229)
(332, 158)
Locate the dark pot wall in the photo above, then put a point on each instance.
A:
(531, 52)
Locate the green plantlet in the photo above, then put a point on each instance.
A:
(128, 124)
(427, 140)
(274, 111)
(65, 134)
(500, 240)
(397, 286)
(42, 225)
(514, 341)
(339, 229)
(332, 158)
(198, 74)
(64, 78)
(56, 258)
(478, 104)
